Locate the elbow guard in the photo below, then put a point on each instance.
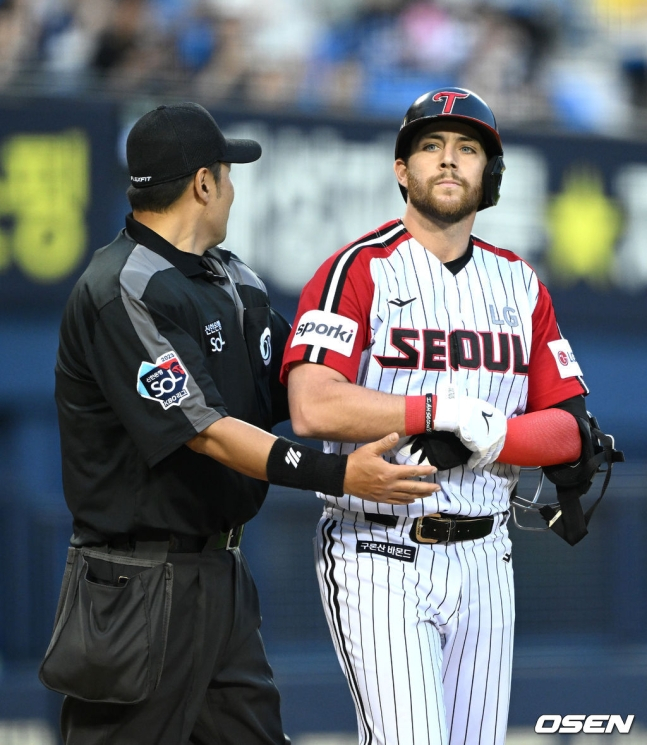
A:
(574, 480)
(578, 474)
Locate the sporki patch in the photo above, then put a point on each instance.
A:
(324, 329)
(391, 550)
(165, 381)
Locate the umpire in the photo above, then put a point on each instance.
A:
(167, 388)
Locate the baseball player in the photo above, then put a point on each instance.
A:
(423, 328)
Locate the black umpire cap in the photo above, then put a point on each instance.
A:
(171, 142)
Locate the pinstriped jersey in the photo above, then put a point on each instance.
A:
(388, 315)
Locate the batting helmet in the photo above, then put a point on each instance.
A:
(461, 105)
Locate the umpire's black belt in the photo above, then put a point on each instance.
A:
(439, 529)
(179, 543)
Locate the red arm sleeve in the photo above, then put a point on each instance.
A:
(542, 438)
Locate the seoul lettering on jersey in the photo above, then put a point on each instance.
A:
(458, 349)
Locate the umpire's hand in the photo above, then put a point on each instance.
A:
(370, 477)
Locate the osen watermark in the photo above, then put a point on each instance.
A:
(593, 724)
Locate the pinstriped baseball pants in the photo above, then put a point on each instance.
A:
(425, 644)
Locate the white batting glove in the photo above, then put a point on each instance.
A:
(480, 426)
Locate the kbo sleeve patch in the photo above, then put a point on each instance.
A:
(165, 381)
(328, 330)
(566, 363)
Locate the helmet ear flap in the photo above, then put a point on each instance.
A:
(492, 176)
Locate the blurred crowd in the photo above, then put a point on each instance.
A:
(580, 64)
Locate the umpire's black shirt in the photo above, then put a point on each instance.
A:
(156, 344)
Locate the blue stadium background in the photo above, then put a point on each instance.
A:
(582, 612)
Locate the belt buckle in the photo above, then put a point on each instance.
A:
(419, 537)
(234, 538)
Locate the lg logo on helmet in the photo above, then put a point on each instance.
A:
(594, 724)
(450, 99)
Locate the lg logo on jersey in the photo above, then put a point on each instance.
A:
(594, 724)
(509, 316)
(564, 357)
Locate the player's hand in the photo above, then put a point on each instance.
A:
(370, 477)
(480, 426)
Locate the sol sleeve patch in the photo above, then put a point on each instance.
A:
(165, 381)
(566, 363)
(328, 330)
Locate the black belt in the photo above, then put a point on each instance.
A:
(182, 544)
(438, 529)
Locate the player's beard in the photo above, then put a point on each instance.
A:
(422, 198)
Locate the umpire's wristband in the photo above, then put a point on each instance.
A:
(302, 467)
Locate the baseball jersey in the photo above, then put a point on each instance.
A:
(388, 315)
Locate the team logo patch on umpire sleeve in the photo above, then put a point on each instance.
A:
(165, 381)
(390, 550)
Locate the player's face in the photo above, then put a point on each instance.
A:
(444, 173)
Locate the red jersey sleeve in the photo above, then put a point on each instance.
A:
(553, 372)
(332, 326)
